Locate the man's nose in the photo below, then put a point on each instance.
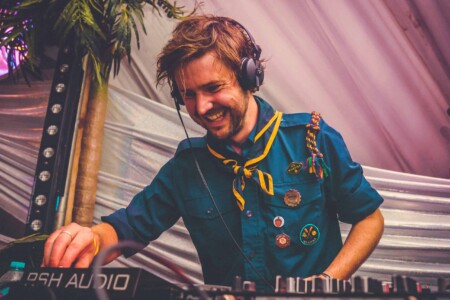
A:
(203, 103)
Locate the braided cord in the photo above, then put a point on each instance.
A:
(315, 163)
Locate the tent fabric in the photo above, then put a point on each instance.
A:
(379, 77)
(378, 71)
(22, 113)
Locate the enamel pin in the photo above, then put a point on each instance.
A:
(282, 240)
(292, 198)
(278, 221)
(294, 168)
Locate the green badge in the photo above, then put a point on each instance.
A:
(294, 168)
(309, 235)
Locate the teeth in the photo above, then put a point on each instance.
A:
(214, 116)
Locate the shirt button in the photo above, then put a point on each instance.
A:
(209, 211)
(249, 213)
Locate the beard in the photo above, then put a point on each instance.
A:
(237, 120)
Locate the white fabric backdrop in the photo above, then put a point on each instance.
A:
(376, 70)
(350, 60)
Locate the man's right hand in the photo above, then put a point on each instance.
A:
(71, 245)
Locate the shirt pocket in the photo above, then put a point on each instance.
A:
(202, 207)
(308, 211)
(203, 221)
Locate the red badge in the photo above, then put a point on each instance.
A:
(282, 240)
(278, 222)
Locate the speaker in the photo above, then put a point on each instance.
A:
(251, 74)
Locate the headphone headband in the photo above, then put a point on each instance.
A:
(251, 41)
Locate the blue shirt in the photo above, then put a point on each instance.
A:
(309, 238)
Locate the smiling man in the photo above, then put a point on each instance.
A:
(215, 100)
(270, 189)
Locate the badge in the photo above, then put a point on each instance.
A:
(294, 167)
(292, 198)
(282, 240)
(278, 222)
(309, 235)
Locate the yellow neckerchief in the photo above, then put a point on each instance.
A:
(249, 170)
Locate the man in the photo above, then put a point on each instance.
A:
(269, 188)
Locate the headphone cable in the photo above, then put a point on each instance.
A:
(217, 208)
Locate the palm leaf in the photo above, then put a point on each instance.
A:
(103, 29)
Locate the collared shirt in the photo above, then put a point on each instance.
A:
(304, 245)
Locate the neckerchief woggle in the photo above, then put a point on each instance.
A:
(250, 168)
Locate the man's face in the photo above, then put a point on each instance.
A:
(215, 100)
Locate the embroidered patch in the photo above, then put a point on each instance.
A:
(309, 235)
(294, 168)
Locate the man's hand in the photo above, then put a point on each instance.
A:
(71, 244)
(76, 246)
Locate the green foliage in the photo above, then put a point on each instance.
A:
(102, 29)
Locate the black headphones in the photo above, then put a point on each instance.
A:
(251, 73)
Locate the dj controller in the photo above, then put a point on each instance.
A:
(135, 283)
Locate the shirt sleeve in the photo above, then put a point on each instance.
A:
(346, 186)
(151, 212)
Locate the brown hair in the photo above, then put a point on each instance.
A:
(198, 35)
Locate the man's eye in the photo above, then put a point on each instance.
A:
(213, 88)
(188, 95)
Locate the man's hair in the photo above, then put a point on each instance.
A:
(197, 35)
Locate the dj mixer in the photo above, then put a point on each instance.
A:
(135, 283)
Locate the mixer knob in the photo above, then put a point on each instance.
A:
(334, 285)
(357, 284)
(318, 285)
(280, 284)
(347, 286)
(249, 286)
(237, 284)
(290, 285)
(411, 285)
(375, 286)
(308, 286)
(419, 288)
(443, 285)
(300, 285)
(398, 284)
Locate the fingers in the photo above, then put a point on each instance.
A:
(80, 250)
(69, 244)
(55, 246)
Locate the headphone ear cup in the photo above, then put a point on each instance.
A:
(252, 73)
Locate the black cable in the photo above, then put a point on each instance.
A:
(98, 262)
(218, 210)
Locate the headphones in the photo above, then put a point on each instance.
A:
(251, 73)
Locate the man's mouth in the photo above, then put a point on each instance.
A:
(214, 116)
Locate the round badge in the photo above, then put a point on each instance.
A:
(309, 235)
(278, 222)
(292, 198)
(282, 240)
